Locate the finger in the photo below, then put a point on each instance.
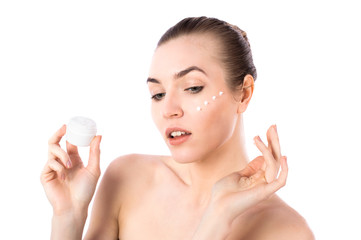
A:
(257, 178)
(269, 159)
(58, 153)
(52, 170)
(273, 142)
(252, 167)
(282, 178)
(272, 166)
(263, 191)
(94, 156)
(71, 149)
(55, 139)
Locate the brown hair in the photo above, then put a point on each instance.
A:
(236, 51)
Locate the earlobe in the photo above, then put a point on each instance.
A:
(246, 93)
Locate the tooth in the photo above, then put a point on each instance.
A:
(177, 133)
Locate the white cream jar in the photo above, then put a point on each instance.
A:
(80, 131)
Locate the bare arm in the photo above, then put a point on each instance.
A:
(68, 226)
(69, 186)
(104, 217)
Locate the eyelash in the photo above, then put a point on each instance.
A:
(156, 97)
(191, 90)
(195, 89)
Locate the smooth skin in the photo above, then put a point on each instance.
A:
(69, 185)
(206, 189)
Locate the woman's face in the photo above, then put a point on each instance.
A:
(185, 77)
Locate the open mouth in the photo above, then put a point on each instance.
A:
(176, 134)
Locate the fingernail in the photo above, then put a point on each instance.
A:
(68, 164)
(275, 126)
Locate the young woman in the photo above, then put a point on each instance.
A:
(201, 81)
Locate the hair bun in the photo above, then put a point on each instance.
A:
(241, 32)
(244, 35)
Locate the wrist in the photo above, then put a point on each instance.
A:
(213, 225)
(73, 212)
(68, 225)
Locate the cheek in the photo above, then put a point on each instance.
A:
(155, 111)
(215, 117)
(204, 103)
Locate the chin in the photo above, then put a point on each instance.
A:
(185, 156)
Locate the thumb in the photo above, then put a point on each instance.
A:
(252, 167)
(94, 156)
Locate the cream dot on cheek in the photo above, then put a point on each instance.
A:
(206, 103)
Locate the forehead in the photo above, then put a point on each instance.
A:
(182, 52)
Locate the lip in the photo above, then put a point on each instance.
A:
(177, 140)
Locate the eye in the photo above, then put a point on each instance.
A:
(195, 89)
(158, 96)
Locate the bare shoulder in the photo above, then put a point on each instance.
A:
(127, 163)
(274, 219)
(135, 171)
(125, 178)
(135, 162)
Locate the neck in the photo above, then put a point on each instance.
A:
(229, 158)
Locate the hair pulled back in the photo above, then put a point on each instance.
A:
(235, 53)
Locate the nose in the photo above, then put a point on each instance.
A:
(171, 107)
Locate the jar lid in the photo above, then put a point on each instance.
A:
(82, 125)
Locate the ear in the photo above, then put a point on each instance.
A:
(245, 93)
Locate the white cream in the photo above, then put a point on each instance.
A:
(206, 103)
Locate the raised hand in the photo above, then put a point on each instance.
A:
(69, 185)
(237, 192)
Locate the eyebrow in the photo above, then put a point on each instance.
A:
(180, 74)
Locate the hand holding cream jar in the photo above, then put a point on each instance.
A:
(80, 131)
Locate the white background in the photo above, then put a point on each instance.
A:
(60, 59)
